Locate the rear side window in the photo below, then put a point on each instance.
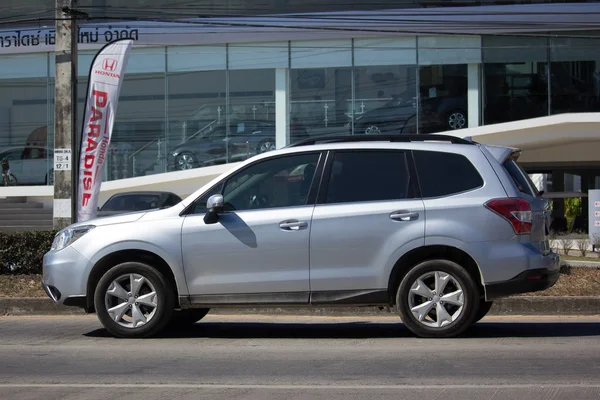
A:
(520, 178)
(443, 174)
(360, 176)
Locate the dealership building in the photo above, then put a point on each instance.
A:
(201, 94)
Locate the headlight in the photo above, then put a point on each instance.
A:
(175, 153)
(69, 235)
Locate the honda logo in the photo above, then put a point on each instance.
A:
(109, 64)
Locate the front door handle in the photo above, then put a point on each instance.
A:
(404, 215)
(293, 225)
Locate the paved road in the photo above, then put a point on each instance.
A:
(261, 357)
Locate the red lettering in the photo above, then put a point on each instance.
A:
(96, 114)
(86, 199)
(87, 183)
(92, 145)
(88, 162)
(101, 98)
(94, 130)
(88, 173)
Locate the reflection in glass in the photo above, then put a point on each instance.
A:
(385, 99)
(197, 116)
(23, 130)
(575, 66)
(515, 78)
(443, 98)
(138, 141)
(321, 102)
(251, 119)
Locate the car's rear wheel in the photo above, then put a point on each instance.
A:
(133, 300)
(437, 298)
(188, 316)
(484, 309)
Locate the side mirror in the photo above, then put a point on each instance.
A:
(214, 205)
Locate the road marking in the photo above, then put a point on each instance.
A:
(293, 387)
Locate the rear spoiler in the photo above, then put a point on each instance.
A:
(502, 153)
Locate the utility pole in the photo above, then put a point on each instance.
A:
(65, 115)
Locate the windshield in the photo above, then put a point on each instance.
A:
(133, 202)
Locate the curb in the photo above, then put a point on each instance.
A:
(521, 305)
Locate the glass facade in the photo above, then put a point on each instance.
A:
(184, 107)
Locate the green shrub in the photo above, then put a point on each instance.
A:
(23, 252)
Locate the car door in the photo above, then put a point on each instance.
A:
(258, 250)
(368, 215)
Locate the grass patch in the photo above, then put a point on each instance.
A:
(573, 281)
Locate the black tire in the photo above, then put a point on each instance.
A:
(484, 309)
(188, 316)
(464, 316)
(164, 300)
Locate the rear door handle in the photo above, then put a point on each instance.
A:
(293, 225)
(404, 215)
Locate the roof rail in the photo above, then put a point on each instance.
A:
(382, 138)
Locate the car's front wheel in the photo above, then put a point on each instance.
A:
(133, 300)
(437, 298)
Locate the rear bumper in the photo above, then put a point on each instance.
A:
(532, 280)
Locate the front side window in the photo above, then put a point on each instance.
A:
(358, 176)
(278, 182)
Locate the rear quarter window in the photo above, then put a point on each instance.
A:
(522, 181)
(444, 174)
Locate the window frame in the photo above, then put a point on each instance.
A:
(326, 175)
(220, 185)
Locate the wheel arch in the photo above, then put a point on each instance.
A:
(121, 256)
(420, 254)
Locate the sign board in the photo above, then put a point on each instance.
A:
(594, 213)
(62, 159)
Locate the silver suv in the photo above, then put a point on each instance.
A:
(436, 225)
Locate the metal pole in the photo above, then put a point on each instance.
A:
(65, 102)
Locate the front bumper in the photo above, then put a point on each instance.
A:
(65, 274)
(531, 280)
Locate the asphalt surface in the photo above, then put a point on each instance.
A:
(285, 357)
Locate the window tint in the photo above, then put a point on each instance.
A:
(369, 176)
(279, 182)
(520, 177)
(443, 174)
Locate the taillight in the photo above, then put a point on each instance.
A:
(516, 211)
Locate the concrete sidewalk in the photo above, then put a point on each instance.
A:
(526, 305)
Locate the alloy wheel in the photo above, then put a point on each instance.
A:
(185, 161)
(372, 130)
(266, 146)
(457, 120)
(131, 300)
(436, 299)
